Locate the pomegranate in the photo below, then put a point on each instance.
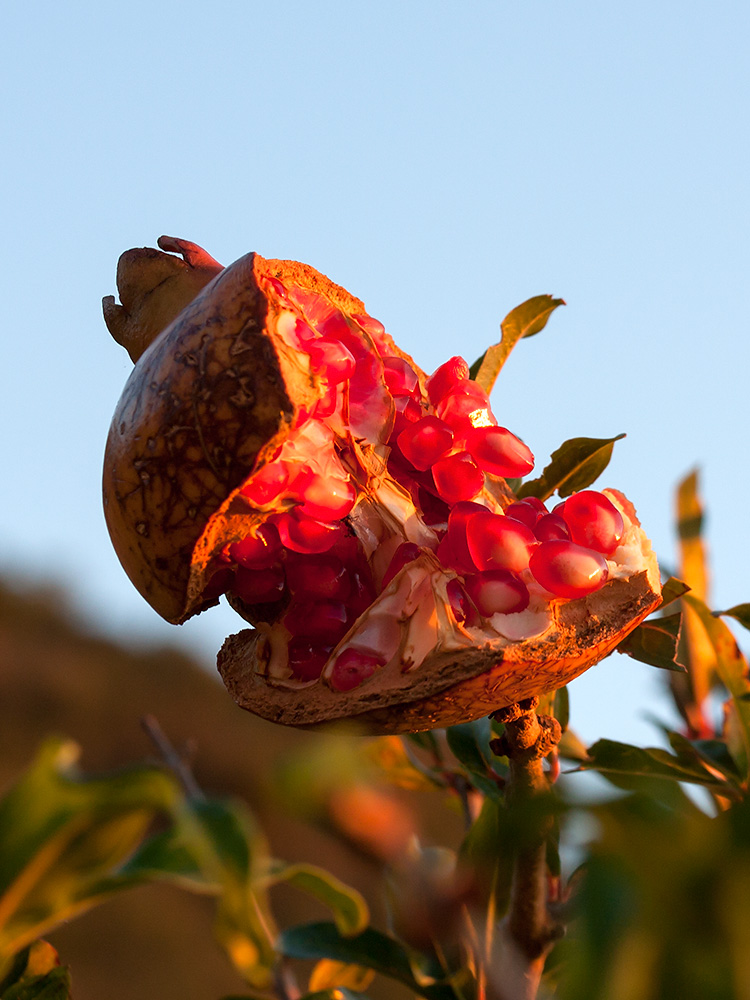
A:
(275, 446)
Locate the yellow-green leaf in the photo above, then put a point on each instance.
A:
(574, 466)
(348, 907)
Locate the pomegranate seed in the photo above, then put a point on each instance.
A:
(217, 585)
(525, 511)
(423, 442)
(594, 521)
(433, 510)
(459, 602)
(466, 407)
(406, 552)
(258, 586)
(260, 550)
(322, 576)
(307, 658)
(457, 477)
(327, 404)
(498, 542)
(327, 621)
(453, 550)
(335, 325)
(331, 359)
(304, 534)
(498, 451)
(443, 379)
(401, 378)
(352, 667)
(266, 484)
(567, 569)
(551, 527)
(497, 592)
(408, 411)
(304, 332)
(326, 498)
(372, 326)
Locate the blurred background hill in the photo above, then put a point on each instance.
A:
(57, 677)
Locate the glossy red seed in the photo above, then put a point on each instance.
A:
(259, 550)
(258, 586)
(307, 658)
(326, 621)
(466, 407)
(449, 374)
(305, 534)
(408, 411)
(322, 576)
(457, 477)
(326, 498)
(401, 378)
(567, 569)
(453, 550)
(525, 511)
(425, 441)
(406, 552)
(266, 484)
(498, 542)
(219, 583)
(459, 602)
(352, 667)
(594, 521)
(497, 592)
(328, 403)
(551, 527)
(332, 360)
(498, 451)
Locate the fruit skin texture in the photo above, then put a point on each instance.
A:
(212, 398)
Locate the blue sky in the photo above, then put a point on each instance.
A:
(444, 162)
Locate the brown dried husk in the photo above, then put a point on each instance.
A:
(216, 392)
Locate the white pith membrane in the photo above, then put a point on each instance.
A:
(344, 445)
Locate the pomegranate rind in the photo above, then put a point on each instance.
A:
(452, 686)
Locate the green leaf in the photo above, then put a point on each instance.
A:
(470, 744)
(614, 759)
(523, 321)
(64, 838)
(732, 668)
(672, 590)
(655, 642)
(574, 466)
(347, 905)
(740, 613)
(53, 985)
(371, 949)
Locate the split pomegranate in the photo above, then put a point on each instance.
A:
(274, 445)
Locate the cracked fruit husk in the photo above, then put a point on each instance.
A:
(275, 446)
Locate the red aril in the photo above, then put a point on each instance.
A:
(401, 378)
(408, 411)
(406, 552)
(459, 601)
(442, 380)
(566, 569)
(258, 586)
(326, 621)
(425, 441)
(464, 408)
(453, 550)
(332, 360)
(307, 658)
(304, 534)
(352, 667)
(326, 498)
(498, 451)
(457, 477)
(594, 521)
(258, 550)
(266, 484)
(551, 527)
(497, 592)
(319, 576)
(498, 542)
(527, 511)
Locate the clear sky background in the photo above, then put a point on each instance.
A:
(443, 161)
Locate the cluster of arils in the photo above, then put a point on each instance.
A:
(311, 565)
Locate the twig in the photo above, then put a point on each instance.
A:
(176, 764)
(528, 931)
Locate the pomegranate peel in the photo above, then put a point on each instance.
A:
(254, 453)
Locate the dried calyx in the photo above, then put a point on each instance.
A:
(274, 445)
